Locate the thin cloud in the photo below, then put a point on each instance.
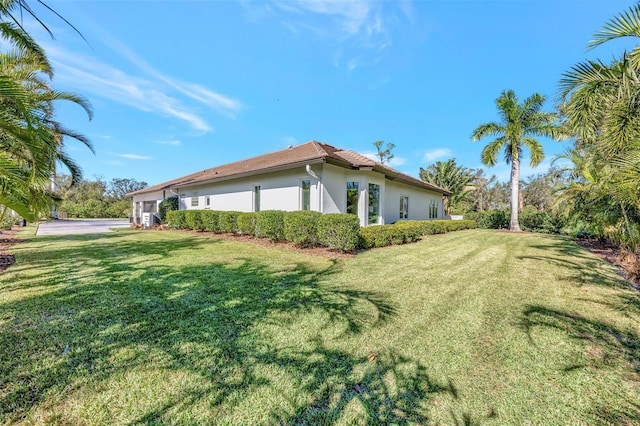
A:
(435, 154)
(135, 156)
(152, 92)
(173, 142)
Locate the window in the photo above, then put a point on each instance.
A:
(352, 197)
(256, 198)
(306, 194)
(207, 202)
(374, 203)
(433, 209)
(195, 201)
(404, 207)
(149, 207)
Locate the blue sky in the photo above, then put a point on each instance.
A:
(180, 86)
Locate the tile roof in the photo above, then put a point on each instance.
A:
(312, 152)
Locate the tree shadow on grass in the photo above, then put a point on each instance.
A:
(207, 319)
(606, 347)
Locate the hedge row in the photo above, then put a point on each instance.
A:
(530, 220)
(409, 231)
(307, 229)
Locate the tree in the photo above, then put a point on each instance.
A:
(384, 155)
(516, 130)
(119, 187)
(457, 179)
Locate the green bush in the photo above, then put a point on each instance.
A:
(8, 221)
(339, 231)
(247, 223)
(301, 227)
(177, 219)
(228, 222)
(210, 220)
(194, 220)
(534, 221)
(491, 219)
(165, 206)
(408, 231)
(270, 224)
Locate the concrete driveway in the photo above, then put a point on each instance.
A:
(80, 226)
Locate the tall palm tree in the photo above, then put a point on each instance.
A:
(516, 130)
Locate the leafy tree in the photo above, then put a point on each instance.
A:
(457, 179)
(385, 155)
(516, 130)
(119, 187)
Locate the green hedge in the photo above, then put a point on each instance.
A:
(228, 222)
(339, 231)
(301, 227)
(491, 219)
(247, 223)
(167, 205)
(177, 219)
(194, 220)
(530, 220)
(307, 228)
(408, 231)
(270, 224)
(210, 220)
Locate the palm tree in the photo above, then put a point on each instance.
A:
(516, 130)
(457, 179)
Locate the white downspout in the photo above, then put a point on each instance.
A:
(314, 175)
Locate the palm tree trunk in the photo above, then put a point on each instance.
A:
(514, 225)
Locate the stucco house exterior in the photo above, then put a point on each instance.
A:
(311, 176)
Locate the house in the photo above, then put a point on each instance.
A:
(312, 176)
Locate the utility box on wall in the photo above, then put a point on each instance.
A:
(148, 220)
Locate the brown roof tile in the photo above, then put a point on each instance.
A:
(310, 152)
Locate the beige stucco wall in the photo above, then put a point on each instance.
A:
(418, 202)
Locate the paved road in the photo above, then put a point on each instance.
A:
(80, 226)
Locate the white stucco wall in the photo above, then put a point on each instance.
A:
(418, 202)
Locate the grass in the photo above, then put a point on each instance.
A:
(466, 328)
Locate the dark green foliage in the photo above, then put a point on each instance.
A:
(228, 222)
(491, 219)
(210, 220)
(194, 220)
(408, 231)
(166, 205)
(339, 231)
(247, 223)
(534, 221)
(270, 224)
(177, 219)
(301, 227)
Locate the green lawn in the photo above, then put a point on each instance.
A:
(472, 327)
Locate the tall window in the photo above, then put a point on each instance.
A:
(433, 209)
(374, 203)
(306, 194)
(352, 197)
(207, 202)
(404, 207)
(256, 198)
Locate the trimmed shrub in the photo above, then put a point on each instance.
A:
(270, 224)
(339, 231)
(165, 206)
(247, 223)
(210, 220)
(408, 231)
(228, 222)
(301, 227)
(194, 220)
(177, 219)
(491, 219)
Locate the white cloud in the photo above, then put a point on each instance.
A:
(151, 92)
(173, 142)
(135, 156)
(435, 154)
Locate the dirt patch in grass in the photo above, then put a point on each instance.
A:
(7, 240)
